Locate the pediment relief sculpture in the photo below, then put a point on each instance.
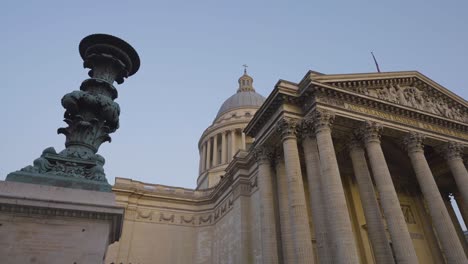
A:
(416, 98)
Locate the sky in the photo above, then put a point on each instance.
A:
(192, 54)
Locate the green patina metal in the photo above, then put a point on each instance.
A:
(91, 115)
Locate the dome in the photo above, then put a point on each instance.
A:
(241, 99)
(244, 98)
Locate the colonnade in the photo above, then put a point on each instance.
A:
(220, 148)
(333, 229)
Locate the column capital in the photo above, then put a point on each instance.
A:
(263, 154)
(307, 128)
(320, 120)
(371, 131)
(278, 155)
(451, 150)
(355, 143)
(287, 127)
(413, 142)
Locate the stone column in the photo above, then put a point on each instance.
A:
(243, 140)
(442, 222)
(341, 239)
(296, 195)
(263, 156)
(208, 154)
(375, 226)
(312, 160)
(283, 206)
(456, 223)
(453, 154)
(233, 144)
(203, 157)
(402, 243)
(223, 148)
(215, 150)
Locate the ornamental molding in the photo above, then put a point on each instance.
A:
(183, 217)
(390, 112)
(409, 91)
(451, 150)
(413, 142)
(415, 99)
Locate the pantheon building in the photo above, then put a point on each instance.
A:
(334, 168)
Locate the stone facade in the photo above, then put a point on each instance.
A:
(346, 168)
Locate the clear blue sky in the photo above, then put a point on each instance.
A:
(191, 55)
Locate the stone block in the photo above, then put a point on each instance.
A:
(47, 224)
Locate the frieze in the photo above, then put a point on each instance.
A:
(413, 97)
(406, 121)
(185, 219)
(411, 92)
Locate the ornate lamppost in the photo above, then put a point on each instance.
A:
(91, 115)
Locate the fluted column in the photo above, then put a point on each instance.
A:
(263, 156)
(341, 239)
(297, 201)
(233, 143)
(453, 154)
(312, 160)
(223, 148)
(374, 222)
(401, 240)
(215, 150)
(208, 154)
(442, 222)
(287, 241)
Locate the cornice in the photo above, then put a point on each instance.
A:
(340, 96)
(284, 92)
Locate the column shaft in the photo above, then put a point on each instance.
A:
(203, 157)
(341, 240)
(442, 222)
(233, 144)
(267, 212)
(215, 150)
(375, 226)
(453, 155)
(283, 206)
(223, 148)
(401, 240)
(319, 217)
(208, 154)
(297, 201)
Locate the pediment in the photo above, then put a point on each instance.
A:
(410, 89)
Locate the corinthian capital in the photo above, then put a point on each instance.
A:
(307, 127)
(322, 120)
(371, 131)
(287, 128)
(413, 142)
(452, 150)
(263, 154)
(355, 143)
